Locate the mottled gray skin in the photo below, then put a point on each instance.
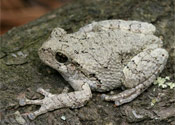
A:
(101, 57)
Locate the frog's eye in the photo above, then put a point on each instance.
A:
(61, 58)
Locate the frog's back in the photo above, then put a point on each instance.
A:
(97, 49)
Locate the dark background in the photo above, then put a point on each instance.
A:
(18, 12)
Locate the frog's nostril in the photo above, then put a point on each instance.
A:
(61, 58)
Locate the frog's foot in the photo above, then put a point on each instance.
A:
(43, 103)
(125, 96)
(52, 101)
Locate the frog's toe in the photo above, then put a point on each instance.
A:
(121, 101)
(39, 90)
(31, 116)
(118, 99)
(103, 96)
(22, 101)
(25, 101)
(117, 103)
(43, 92)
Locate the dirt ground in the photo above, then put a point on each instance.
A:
(22, 72)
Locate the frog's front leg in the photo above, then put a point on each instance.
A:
(139, 73)
(52, 101)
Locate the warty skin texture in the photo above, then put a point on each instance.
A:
(101, 56)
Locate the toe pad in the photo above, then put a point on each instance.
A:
(103, 96)
(22, 102)
(31, 116)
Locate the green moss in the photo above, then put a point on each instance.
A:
(164, 82)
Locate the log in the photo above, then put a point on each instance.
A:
(22, 72)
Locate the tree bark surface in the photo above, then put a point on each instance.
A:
(22, 72)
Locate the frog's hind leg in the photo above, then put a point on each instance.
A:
(133, 26)
(139, 74)
(55, 101)
(127, 95)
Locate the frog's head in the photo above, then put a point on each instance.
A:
(53, 53)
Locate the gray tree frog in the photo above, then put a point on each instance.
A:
(101, 56)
